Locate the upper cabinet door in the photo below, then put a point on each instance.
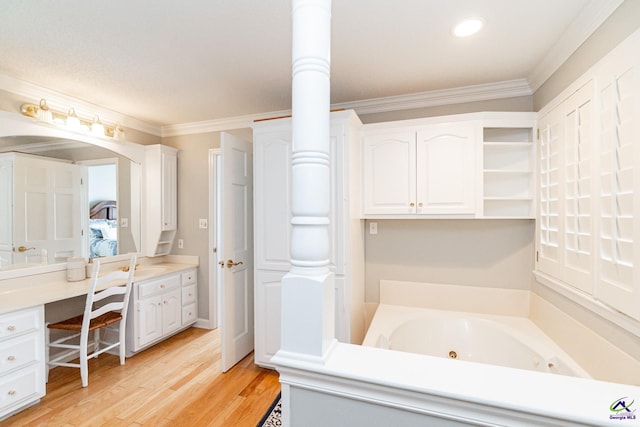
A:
(169, 190)
(389, 169)
(445, 167)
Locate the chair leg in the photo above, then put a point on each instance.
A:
(96, 340)
(121, 337)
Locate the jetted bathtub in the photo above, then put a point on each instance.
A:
(508, 341)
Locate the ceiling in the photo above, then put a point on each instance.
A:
(168, 62)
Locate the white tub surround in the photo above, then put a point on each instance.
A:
(382, 387)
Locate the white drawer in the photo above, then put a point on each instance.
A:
(189, 314)
(20, 388)
(18, 352)
(20, 322)
(188, 277)
(189, 294)
(155, 287)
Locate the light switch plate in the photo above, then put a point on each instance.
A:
(373, 228)
(203, 223)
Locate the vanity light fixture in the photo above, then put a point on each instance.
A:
(71, 121)
(468, 27)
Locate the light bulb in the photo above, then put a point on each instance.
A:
(73, 122)
(97, 128)
(468, 27)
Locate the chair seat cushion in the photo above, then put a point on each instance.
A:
(75, 323)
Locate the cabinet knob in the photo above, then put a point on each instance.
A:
(420, 204)
(161, 286)
(11, 328)
(11, 358)
(11, 392)
(412, 204)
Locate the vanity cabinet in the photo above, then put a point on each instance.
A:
(420, 170)
(160, 307)
(161, 198)
(272, 228)
(22, 359)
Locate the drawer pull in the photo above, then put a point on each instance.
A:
(11, 392)
(11, 328)
(11, 358)
(161, 286)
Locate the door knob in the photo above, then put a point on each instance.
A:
(230, 263)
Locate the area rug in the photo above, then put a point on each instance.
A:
(273, 416)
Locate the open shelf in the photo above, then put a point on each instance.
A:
(508, 174)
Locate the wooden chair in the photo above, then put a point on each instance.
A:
(102, 308)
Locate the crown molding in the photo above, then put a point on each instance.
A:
(57, 101)
(589, 19)
(205, 126)
(483, 92)
(506, 89)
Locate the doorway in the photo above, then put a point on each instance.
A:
(231, 245)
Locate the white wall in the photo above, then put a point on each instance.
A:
(485, 253)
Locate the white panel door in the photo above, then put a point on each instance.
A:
(236, 234)
(6, 211)
(47, 210)
(389, 178)
(445, 170)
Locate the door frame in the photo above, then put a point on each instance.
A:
(212, 258)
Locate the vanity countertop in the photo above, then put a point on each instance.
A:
(42, 290)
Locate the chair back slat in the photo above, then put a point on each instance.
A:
(113, 292)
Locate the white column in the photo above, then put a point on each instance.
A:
(308, 289)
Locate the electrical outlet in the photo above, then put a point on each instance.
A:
(124, 222)
(202, 223)
(180, 244)
(373, 228)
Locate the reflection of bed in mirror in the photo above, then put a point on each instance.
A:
(103, 240)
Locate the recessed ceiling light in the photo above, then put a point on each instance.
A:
(468, 27)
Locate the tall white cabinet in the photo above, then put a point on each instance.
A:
(272, 228)
(161, 199)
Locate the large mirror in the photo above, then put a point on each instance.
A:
(65, 194)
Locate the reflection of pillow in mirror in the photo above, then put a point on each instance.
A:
(110, 233)
(96, 233)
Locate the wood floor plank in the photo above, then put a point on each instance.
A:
(175, 383)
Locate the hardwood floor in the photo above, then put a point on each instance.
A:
(175, 383)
